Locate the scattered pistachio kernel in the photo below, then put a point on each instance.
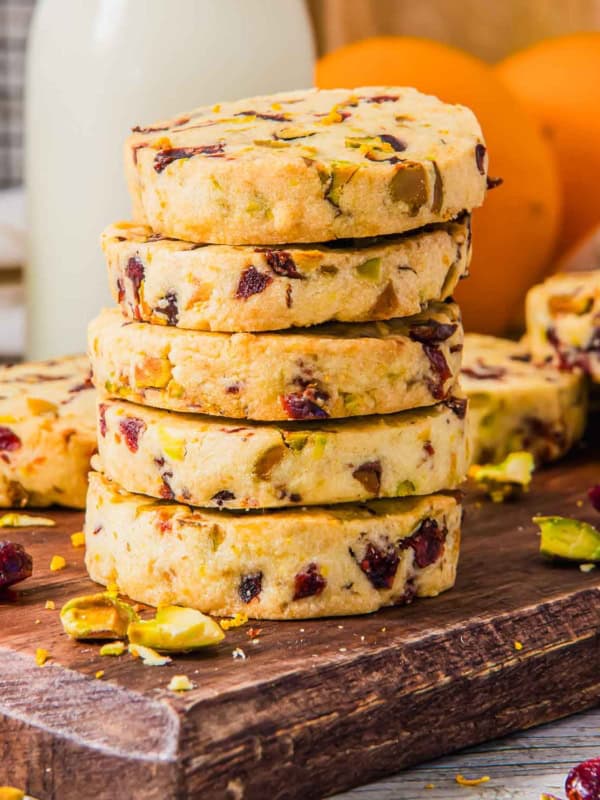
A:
(97, 616)
(149, 656)
(508, 478)
(370, 269)
(587, 567)
(172, 446)
(57, 563)
(180, 683)
(50, 605)
(112, 649)
(176, 629)
(569, 539)
(41, 656)
(235, 622)
(78, 539)
(16, 520)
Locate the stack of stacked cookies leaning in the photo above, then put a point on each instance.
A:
(280, 424)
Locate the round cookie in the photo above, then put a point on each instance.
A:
(287, 564)
(47, 432)
(515, 404)
(563, 321)
(201, 461)
(333, 370)
(227, 288)
(307, 166)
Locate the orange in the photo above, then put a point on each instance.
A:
(558, 80)
(514, 234)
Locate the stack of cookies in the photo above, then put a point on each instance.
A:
(280, 427)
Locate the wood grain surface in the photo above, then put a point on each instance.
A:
(317, 706)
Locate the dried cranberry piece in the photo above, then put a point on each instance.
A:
(480, 152)
(131, 428)
(381, 98)
(165, 157)
(396, 144)
(222, 497)
(309, 582)
(369, 475)
(429, 448)
(594, 496)
(9, 441)
(252, 282)
(493, 183)
(165, 491)
(408, 595)
(482, 371)
(102, 407)
(120, 290)
(432, 332)
(302, 405)
(427, 542)
(458, 405)
(15, 564)
(259, 115)
(282, 263)
(583, 781)
(250, 586)
(379, 564)
(135, 272)
(441, 371)
(169, 308)
(81, 387)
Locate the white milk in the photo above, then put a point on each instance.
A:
(98, 67)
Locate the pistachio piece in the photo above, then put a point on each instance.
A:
(176, 629)
(341, 174)
(508, 478)
(268, 461)
(409, 185)
(150, 658)
(172, 446)
(11, 793)
(570, 539)
(296, 441)
(370, 269)
(113, 648)
(15, 520)
(180, 683)
(97, 616)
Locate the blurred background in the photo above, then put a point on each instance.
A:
(76, 76)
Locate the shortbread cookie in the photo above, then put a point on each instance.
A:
(286, 564)
(515, 404)
(307, 166)
(563, 321)
(47, 432)
(334, 370)
(201, 461)
(225, 288)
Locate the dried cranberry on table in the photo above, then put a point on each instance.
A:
(9, 440)
(594, 496)
(583, 781)
(15, 564)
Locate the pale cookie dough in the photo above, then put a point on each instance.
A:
(226, 288)
(307, 166)
(334, 370)
(515, 404)
(563, 321)
(47, 432)
(201, 461)
(286, 564)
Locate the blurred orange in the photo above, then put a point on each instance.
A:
(583, 255)
(558, 80)
(514, 234)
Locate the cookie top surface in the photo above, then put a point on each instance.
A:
(307, 166)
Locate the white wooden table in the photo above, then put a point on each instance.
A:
(521, 766)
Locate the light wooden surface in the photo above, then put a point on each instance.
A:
(520, 766)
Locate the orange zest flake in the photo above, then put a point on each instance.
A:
(518, 645)
(57, 563)
(471, 781)
(78, 539)
(254, 632)
(99, 675)
(333, 117)
(11, 793)
(162, 143)
(41, 656)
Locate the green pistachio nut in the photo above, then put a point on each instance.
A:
(176, 629)
(570, 539)
(97, 616)
(508, 478)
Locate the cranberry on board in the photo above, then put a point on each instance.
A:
(15, 564)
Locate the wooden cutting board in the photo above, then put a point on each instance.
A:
(317, 706)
